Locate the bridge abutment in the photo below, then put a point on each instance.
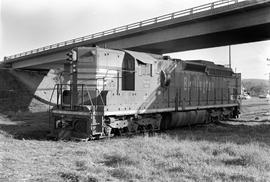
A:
(26, 91)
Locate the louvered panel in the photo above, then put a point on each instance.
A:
(87, 70)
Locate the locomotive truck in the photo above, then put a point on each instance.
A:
(108, 92)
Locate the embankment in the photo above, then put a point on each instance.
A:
(27, 90)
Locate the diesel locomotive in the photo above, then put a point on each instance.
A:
(108, 92)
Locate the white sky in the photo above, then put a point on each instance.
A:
(29, 24)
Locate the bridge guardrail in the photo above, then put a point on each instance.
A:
(170, 16)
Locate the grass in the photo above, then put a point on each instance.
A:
(202, 153)
(213, 152)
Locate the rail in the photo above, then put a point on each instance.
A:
(170, 16)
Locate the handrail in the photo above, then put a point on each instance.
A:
(50, 106)
(89, 95)
(170, 16)
(83, 86)
(52, 96)
(99, 93)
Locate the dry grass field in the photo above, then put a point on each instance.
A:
(229, 151)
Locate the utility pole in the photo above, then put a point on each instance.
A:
(230, 59)
(268, 59)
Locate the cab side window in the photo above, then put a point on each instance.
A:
(145, 69)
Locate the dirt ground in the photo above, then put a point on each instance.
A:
(255, 111)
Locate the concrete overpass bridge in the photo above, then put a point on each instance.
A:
(215, 24)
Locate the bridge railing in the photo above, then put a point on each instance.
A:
(170, 16)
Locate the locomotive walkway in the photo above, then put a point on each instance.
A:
(214, 24)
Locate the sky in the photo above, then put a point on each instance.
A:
(30, 24)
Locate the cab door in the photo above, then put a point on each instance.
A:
(128, 73)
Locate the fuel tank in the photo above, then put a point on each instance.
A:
(177, 119)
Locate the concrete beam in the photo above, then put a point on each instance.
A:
(230, 26)
(44, 61)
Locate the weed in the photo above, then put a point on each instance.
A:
(81, 153)
(124, 174)
(239, 177)
(70, 177)
(176, 169)
(81, 165)
(236, 162)
(91, 179)
(121, 173)
(118, 160)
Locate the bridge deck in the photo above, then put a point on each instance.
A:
(213, 8)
